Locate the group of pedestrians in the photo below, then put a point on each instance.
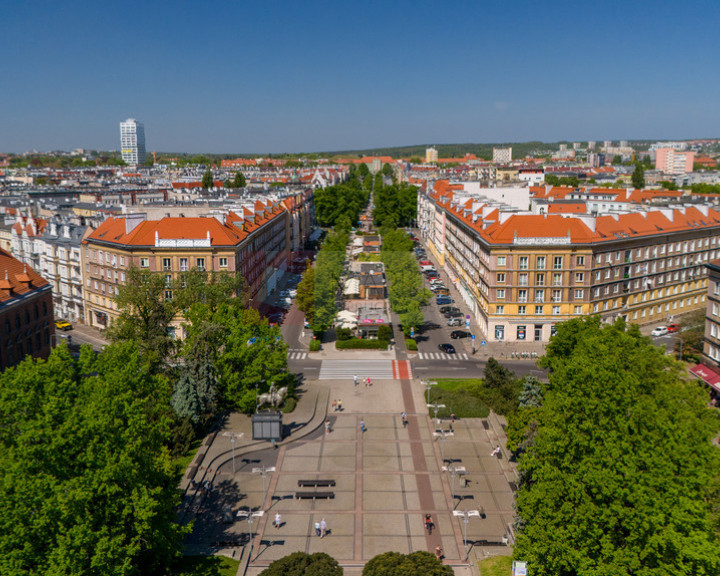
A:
(367, 381)
(321, 528)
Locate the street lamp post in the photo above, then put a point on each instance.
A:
(428, 385)
(233, 436)
(465, 515)
(442, 435)
(263, 471)
(436, 408)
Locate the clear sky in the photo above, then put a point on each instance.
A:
(310, 75)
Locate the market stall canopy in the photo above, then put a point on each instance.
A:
(708, 375)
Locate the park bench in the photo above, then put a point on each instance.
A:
(316, 483)
(314, 495)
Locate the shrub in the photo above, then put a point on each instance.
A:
(343, 333)
(289, 405)
(410, 344)
(361, 344)
(314, 345)
(384, 333)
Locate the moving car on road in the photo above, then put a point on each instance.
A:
(63, 325)
(447, 348)
(671, 328)
(659, 331)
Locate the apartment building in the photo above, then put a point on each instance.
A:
(502, 155)
(26, 312)
(132, 142)
(253, 242)
(711, 345)
(672, 161)
(522, 273)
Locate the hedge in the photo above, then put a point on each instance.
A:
(314, 345)
(410, 344)
(363, 344)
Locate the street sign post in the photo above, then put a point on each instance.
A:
(467, 322)
(472, 338)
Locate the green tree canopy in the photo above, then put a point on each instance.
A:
(638, 176)
(621, 477)
(207, 179)
(239, 181)
(418, 563)
(302, 564)
(87, 483)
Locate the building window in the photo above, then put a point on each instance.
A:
(168, 280)
(578, 310)
(540, 280)
(557, 279)
(522, 295)
(501, 278)
(183, 264)
(522, 279)
(501, 294)
(557, 262)
(556, 310)
(200, 263)
(580, 261)
(522, 310)
(579, 277)
(501, 260)
(144, 262)
(579, 294)
(499, 309)
(539, 295)
(166, 264)
(223, 262)
(168, 294)
(556, 295)
(524, 262)
(540, 263)
(538, 309)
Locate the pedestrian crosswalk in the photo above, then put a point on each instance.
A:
(441, 356)
(342, 369)
(297, 355)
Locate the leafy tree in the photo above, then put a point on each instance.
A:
(638, 176)
(418, 563)
(87, 483)
(207, 179)
(239, 181)
(531, 395)
(621, 477)
(145, 314)
(305, 297)
(384, 332)
(302, 564)
(196, 390)
(668, 185)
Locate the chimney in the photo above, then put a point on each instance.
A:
(6, 286)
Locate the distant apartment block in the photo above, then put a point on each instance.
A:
(520, 273)
(672, 161)
(132, 142)
(431, 156)
(502, 155)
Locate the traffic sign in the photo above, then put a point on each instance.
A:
(472, 336)
(482, 342)
(412, 332)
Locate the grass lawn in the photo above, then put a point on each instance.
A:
(182, 462)
(461, 397)
(496, 566)
(206, 566)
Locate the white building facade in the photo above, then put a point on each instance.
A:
(132, 142)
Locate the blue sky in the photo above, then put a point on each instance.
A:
(312, 75)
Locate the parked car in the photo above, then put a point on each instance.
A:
(446, 309)
(438, 287)
(427, 267)
(453, 314)
(454, 322)
(447, 348)
(673, 328)
(442, 291)
(440, 300)
(659, 331)
(455, 334)
(63, 325)
(425, 263)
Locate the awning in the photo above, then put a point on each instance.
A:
(708, 375)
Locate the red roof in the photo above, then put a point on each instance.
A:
(18, 277)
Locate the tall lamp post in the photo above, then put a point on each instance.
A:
(441, 435)
(233, 436)
(429, 385)
(466, 515)
(436, 408)
(263, 471)
(250, 519)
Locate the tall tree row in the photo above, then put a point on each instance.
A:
(619, 475)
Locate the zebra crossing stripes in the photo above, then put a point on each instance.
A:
(346, 369)
(441, 356)
(297, 355)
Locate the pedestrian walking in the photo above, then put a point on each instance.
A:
(429, 523)
(362, 426)
(369, 381)
(327, 426)
(317, 528)
(355, 381)
(339, 405)
(278, 520)
(495, 453)
(438, 552)
(334, 405)
(323, 528)
(403, 416)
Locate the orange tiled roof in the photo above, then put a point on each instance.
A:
(567, 208)
(17, 276)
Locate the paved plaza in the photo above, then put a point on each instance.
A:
(386, 479)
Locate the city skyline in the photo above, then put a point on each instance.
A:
(319, 77)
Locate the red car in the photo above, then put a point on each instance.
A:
(673, 328)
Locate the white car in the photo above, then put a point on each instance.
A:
(659, 331)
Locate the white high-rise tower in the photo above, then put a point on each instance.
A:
(132, 141)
